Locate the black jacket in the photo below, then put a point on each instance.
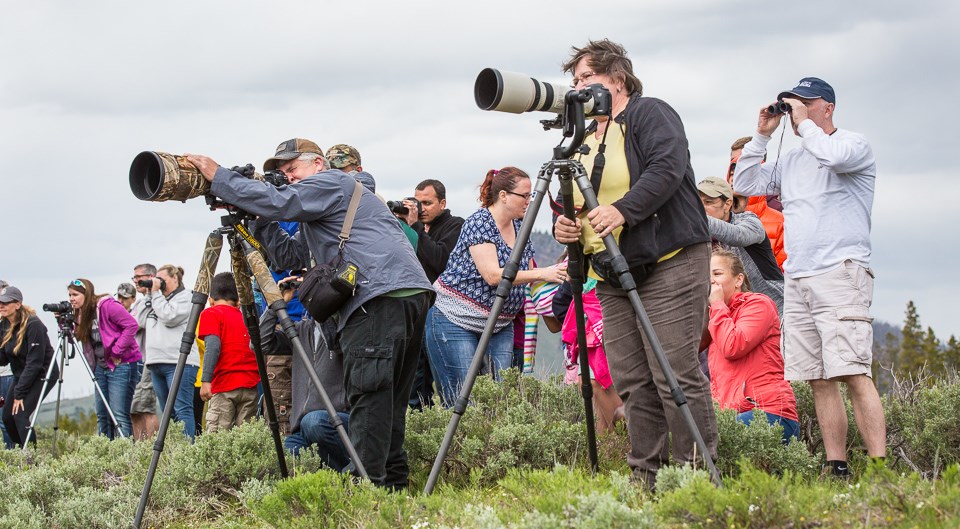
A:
(662, 209)
(433, 248)
(30, 365)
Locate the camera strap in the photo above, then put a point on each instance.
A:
(596, 173)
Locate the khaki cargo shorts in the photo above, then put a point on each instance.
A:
(827, 328)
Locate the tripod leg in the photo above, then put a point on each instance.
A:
(56, 409)
(275, 301)
(622, 269)
(245, 290)
(577, 271)
(503, 290)
(211, 254)
(43, 391)
(103, 398)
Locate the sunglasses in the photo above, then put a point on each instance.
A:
(77, 283)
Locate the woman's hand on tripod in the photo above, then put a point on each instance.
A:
(17, 406)
(566, 231)
(605, 219)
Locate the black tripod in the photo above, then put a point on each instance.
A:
(573, 123)
(246, 259)
(67, 350)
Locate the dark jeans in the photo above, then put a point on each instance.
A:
(318, 431)
(183, 400)
(381, 343)
(17, 425)
(6, 382)
(117, 387)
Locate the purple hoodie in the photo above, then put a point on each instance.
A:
(117, 331)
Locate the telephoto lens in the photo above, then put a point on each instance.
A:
(63, 306)
(778, 108)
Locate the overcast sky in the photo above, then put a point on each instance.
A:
(86, 86)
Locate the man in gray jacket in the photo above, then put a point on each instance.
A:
(381, 326)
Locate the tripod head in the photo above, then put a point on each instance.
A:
(573, 120)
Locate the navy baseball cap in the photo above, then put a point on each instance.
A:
(811, 88)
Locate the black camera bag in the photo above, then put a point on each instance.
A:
(327, 287)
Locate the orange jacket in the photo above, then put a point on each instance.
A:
(773, 223)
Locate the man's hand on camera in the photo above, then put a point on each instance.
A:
(412, 212)
(768, 122)
(566, 231)
(798, 111)
(605, 219)
(205, 165)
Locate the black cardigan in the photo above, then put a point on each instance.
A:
(662, 208)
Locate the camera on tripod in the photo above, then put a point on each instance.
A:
(161, 176)
(57, 308)
(62, 311)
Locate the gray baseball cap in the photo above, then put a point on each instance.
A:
(8, 294)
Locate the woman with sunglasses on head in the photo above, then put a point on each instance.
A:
(25, 346)
(108, 335)
(467, 288)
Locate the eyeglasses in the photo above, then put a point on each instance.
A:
(78, 283)
(525, 196)
(138, 276)
(582, 79)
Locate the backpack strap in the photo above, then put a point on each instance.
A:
(351, 214)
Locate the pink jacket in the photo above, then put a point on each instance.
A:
(118, 329)
(746, 368)
(596, 356)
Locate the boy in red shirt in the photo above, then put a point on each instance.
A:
(230, 377)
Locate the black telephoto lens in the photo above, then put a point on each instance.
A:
(63, 306)
(778, 108)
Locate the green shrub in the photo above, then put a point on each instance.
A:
(761, 444)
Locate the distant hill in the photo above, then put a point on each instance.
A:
(547, 248)
(72, 408)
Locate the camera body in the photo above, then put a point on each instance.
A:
(397, 207)
(148, 284)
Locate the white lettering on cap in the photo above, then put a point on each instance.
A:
(806, 84)
(282, 147)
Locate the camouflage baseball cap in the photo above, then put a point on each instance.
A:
(126, 290)
(289, 150)
(342, 155)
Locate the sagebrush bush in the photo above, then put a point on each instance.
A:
(761, 444)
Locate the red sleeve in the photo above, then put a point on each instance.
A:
(211, 322)
(736, 338)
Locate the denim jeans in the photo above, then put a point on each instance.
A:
(183, 405)
(316, 430)
(452, 348)
(791, 428)
(117, 387)
(5, 382)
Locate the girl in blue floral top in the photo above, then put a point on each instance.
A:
(467, 288)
